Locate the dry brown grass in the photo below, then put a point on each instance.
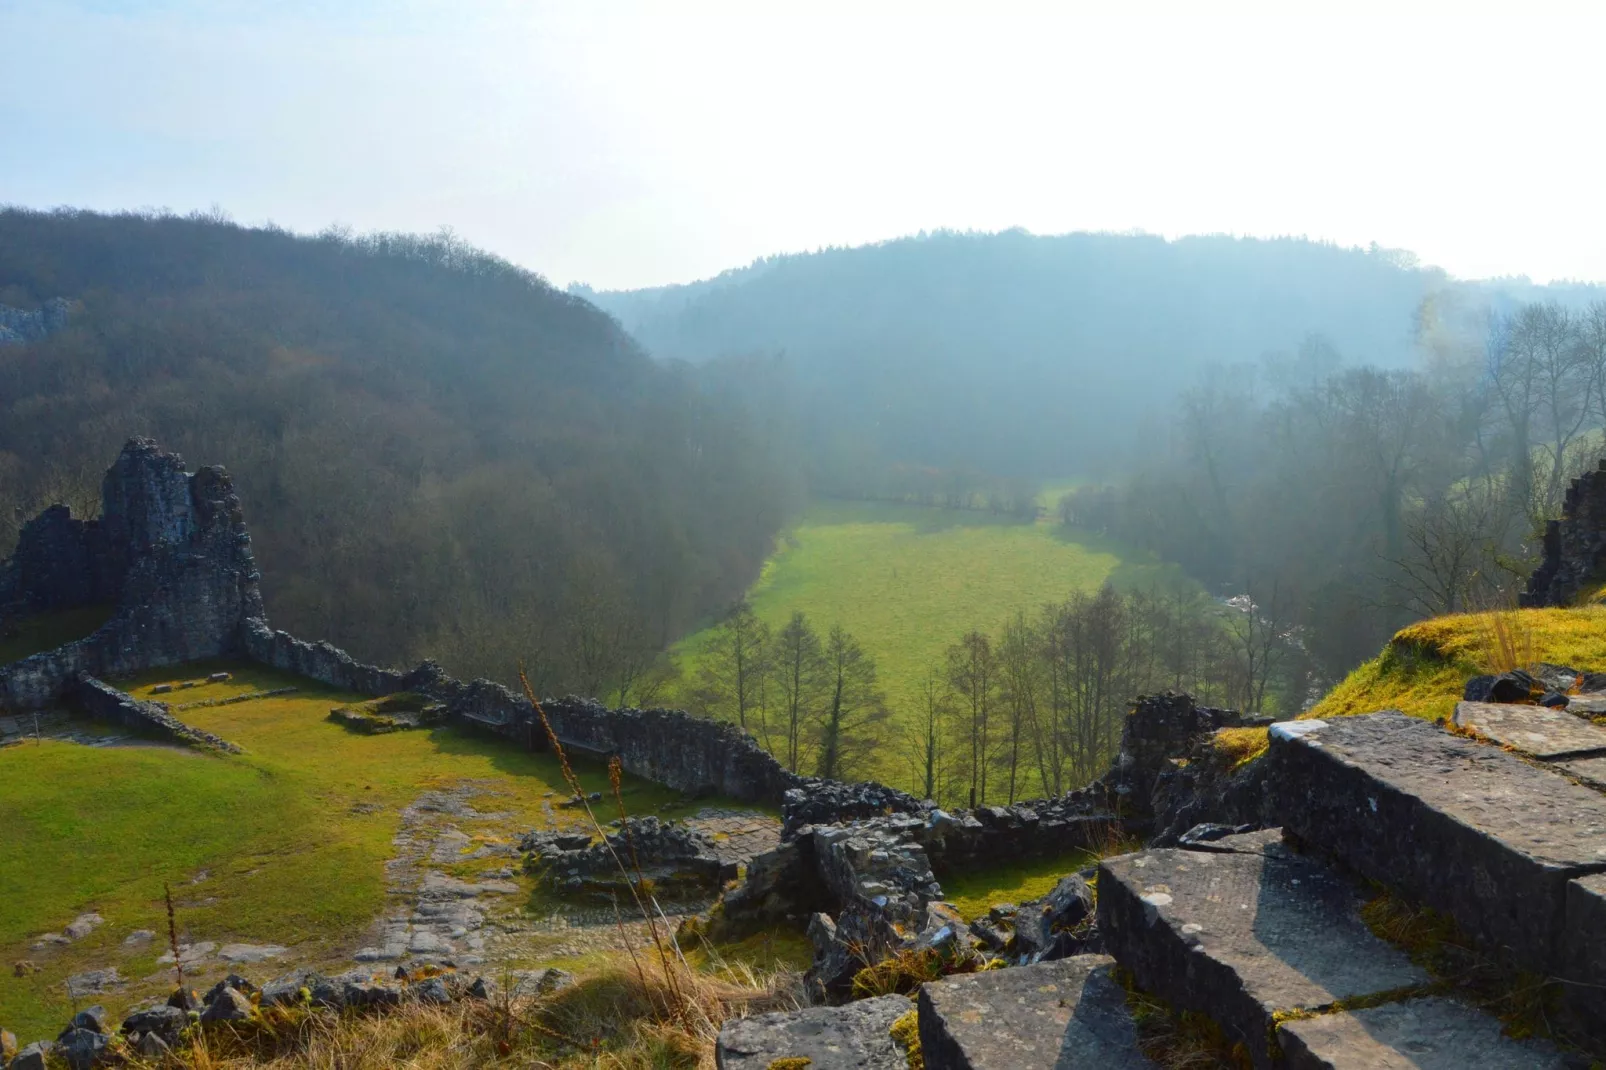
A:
(605, 1020)
(1509, 641)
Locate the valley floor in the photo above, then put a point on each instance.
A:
(908, 581)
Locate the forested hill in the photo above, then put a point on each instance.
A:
(439, 453)
(1023, 354)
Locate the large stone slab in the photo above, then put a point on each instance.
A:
(1589, 771)
(1583, 959)
(832, 1038)
(1051, 1016)
(1540, 731)
(1240, 937)
(1418, 1034)
(1459, 825)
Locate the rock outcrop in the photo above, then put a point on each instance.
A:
(20, 325)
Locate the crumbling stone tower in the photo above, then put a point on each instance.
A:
(170, 551)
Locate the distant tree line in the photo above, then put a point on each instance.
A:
(439, 455)
(1366, 498)
(1034, 709)
(840, 473)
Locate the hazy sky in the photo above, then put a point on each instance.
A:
(628, 144)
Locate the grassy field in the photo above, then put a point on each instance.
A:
(909, 581)
(288, 840)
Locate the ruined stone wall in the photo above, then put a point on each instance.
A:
(669, 747)
(170, 551)
(1575, 545)
(148, 718)
(323, 662)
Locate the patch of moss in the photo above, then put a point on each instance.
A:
(974, 892)
(1238, 747)
(906, 1032)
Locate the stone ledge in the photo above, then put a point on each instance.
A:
(1424, 1034)
(1462, 826)
(1069, 1013)
(1244, 937)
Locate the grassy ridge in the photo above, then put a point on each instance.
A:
(908, 581)
(1425, 667)
(292, 836)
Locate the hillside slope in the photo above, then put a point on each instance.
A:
(443, 455)
(1023, 354)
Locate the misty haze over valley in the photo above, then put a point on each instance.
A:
(910, 459)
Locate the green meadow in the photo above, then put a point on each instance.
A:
(908, 581)
(284, 844)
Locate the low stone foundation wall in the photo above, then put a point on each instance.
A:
(324, 662)
(152, 718)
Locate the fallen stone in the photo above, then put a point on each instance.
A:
(1241, 938)
(481, 989)
(856, 1035)
(49, 940)
(1247, 843)
(1544, 733)
(162, 689)
(249, 953)
(219, 678)
(229, 1005)
(82, 1049)
(95, 1019)
(1069, 1013)
(432, 990)
(1513, 686)
(153, 1047)
(93, 982)
(138, 938)
(540, 982)
(1422, 1034)
(189, 954)
(83, 925)
(1210, 832)
(234, 981)
(1481, 834)
(34, 1057)
(166, 1022)
(1555, 700)
(1044, 928)
(991, 937)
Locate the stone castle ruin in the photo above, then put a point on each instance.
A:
(1252, 906)
(1575, 545)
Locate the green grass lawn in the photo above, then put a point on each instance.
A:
(908, 581)
(974, 893)
(292, 836)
